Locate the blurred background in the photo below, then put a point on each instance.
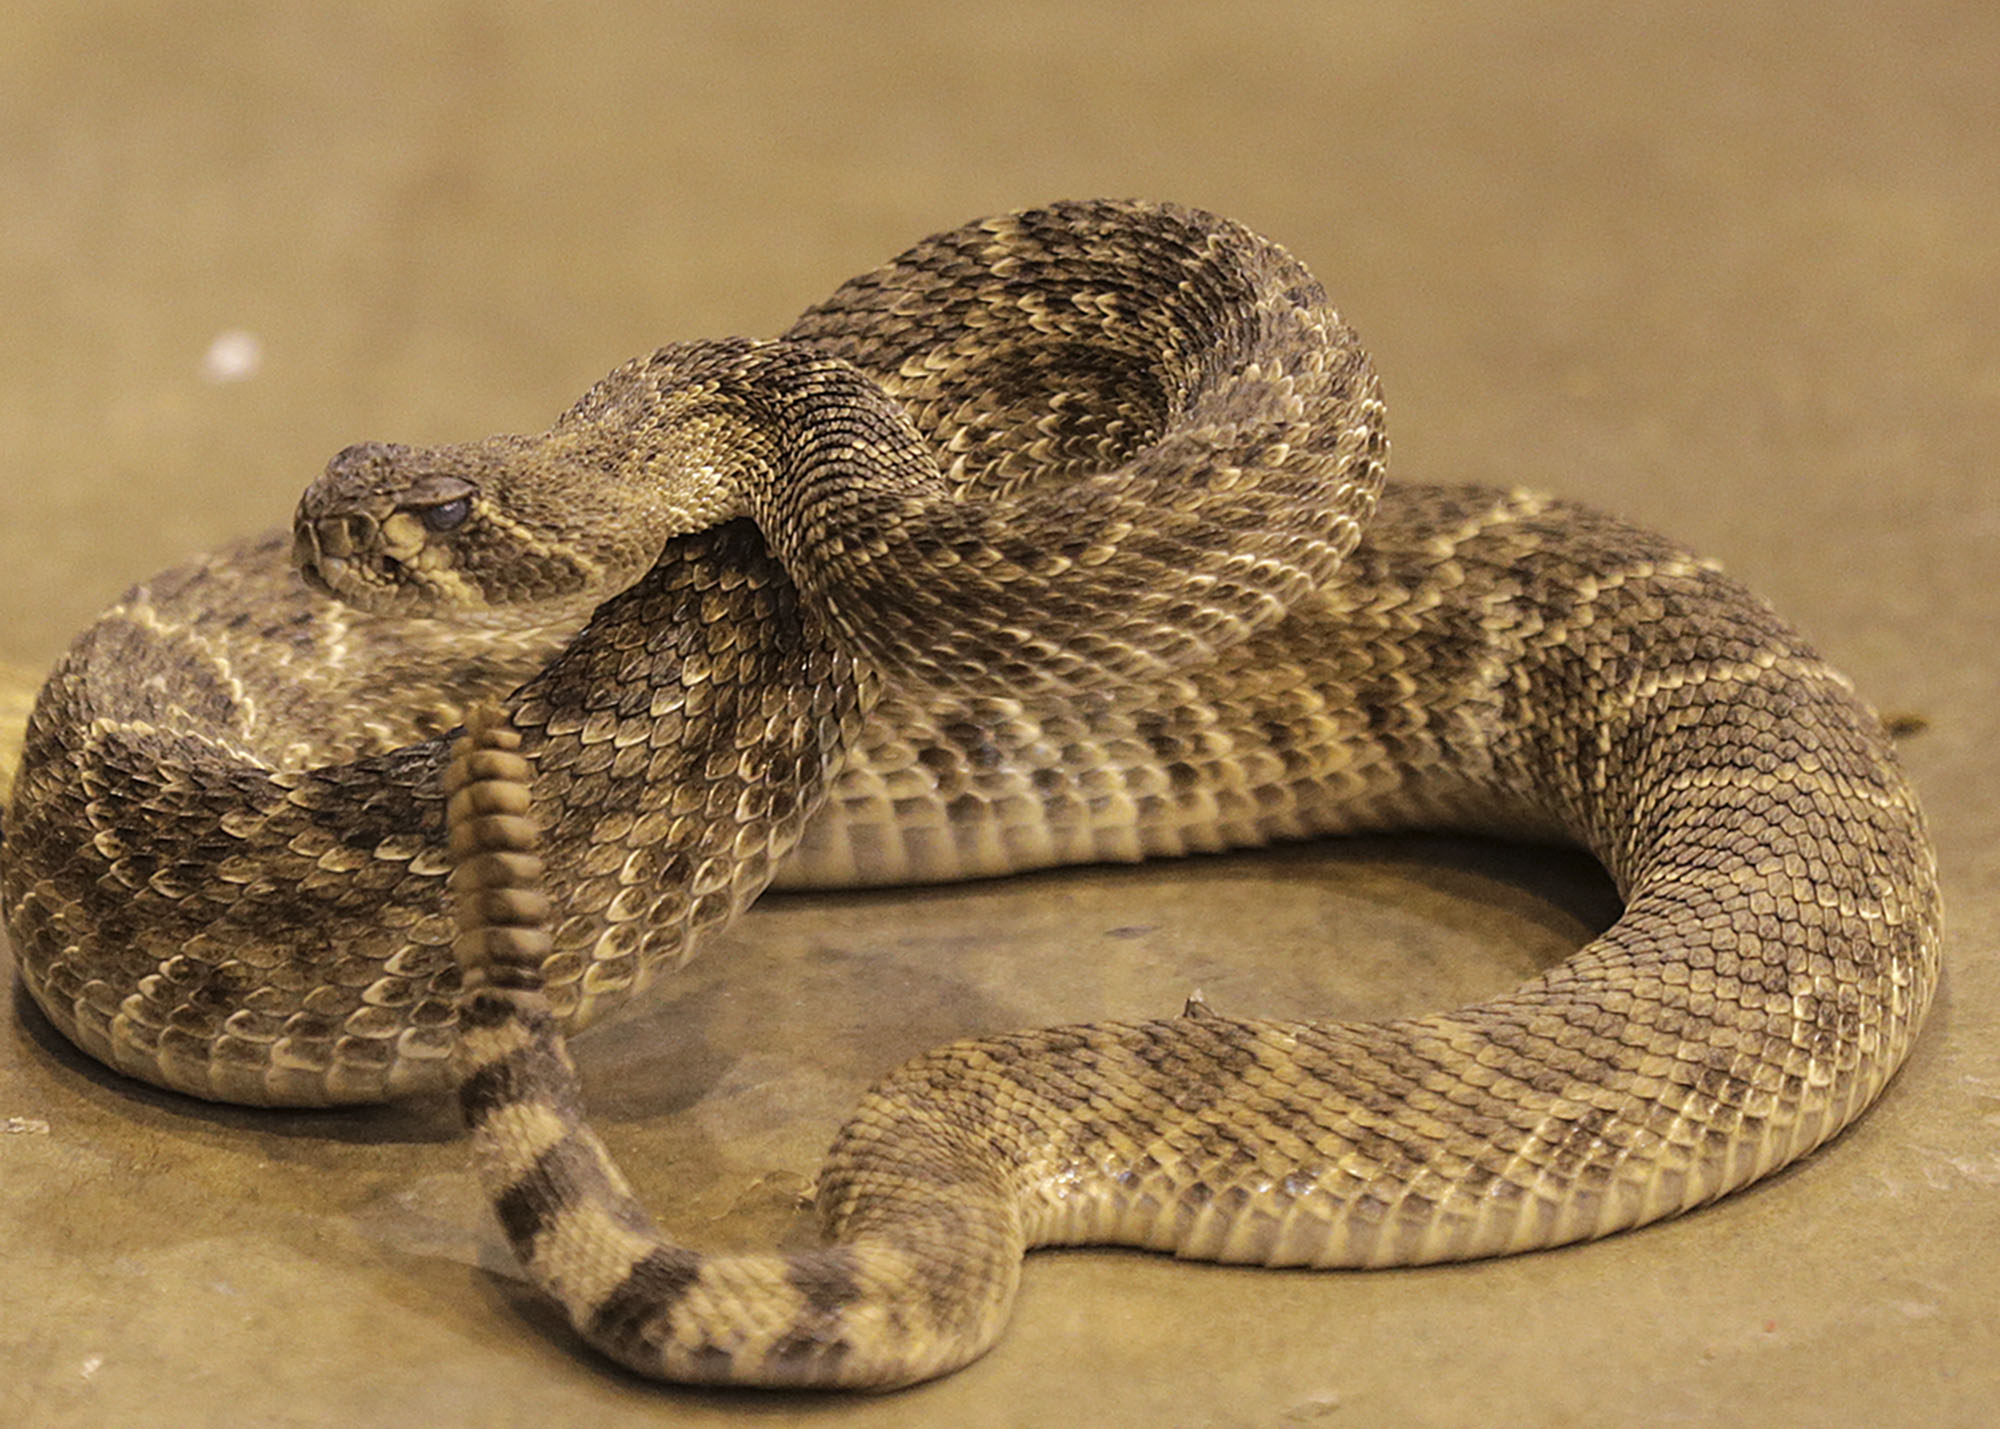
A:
(1729, 269)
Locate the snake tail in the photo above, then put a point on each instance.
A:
(843, 1315)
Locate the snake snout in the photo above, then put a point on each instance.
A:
(339, 537)
(345, 535)
(331, 524)
(328, 550)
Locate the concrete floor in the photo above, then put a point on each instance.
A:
(1732, 273)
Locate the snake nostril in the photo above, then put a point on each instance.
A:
(343, 535)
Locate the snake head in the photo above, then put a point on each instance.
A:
(382, 530)
(518, 527)
(549, 525)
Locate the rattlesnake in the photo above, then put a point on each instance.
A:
(1041, 544)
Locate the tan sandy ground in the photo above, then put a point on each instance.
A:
(1728, 269)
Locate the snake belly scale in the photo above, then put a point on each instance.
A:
(1060, 538)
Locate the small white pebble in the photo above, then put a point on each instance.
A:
(234, 356)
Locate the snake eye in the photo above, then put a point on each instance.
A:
(446, 515)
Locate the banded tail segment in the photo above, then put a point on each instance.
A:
(875, 1312)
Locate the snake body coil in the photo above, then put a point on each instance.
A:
(1041, 544)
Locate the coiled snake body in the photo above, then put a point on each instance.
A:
(1037, 545)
